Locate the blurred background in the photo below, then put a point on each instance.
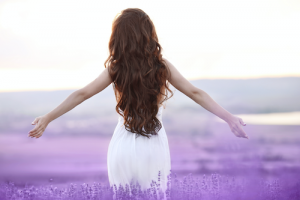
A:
(244, 54)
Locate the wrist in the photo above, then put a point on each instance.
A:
(229, 117)
(47, 118)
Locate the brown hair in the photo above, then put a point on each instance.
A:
(137, 70)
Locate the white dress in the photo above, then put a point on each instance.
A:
(139, 159)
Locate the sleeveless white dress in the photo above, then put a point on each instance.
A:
(138, 159)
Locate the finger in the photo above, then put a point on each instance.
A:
(236, 133)
(36, 128)
(239, 132)
(39, 134)
(34, 121)
(33, 131)
(242, 133)
(34, 135)
(242, 122)
(36, 131)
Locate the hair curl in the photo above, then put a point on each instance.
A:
(138, 71)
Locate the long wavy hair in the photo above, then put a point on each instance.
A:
(138, 71)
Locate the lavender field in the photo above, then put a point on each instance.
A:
(69, 160)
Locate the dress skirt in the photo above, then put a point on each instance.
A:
(138, 160)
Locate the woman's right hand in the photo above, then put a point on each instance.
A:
(235, 123)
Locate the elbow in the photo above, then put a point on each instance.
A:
(196, 93)
(81, 94)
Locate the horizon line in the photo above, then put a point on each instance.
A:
(190, 79)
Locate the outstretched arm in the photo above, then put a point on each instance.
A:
(74, 99)
(203, 99)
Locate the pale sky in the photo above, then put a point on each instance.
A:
(58, 44)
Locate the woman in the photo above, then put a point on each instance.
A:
(139, 148)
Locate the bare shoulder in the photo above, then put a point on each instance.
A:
(175, 74)
(166, 62)
(170, 66)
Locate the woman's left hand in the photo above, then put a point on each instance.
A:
(41, 124)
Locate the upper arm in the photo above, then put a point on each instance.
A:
(96, 86)
(179, 82)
